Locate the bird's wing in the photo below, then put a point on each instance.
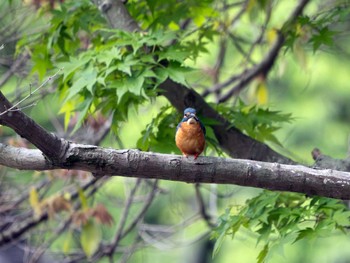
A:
(178, 126)
(203, 127)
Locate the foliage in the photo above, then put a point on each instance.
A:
(105, 69)
(257, 122)
(280, 218)
(317, 31)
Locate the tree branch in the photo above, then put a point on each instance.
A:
(20, 229)
(266, 64)
(134, 163)
(117, 15)
(262, 68)
(203, 208)
(122, 220)
(48, 143)
(13, 69)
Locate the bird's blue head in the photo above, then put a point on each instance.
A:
(189, 111)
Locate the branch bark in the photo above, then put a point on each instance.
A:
(134, 163)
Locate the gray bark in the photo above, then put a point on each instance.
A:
(133, 163)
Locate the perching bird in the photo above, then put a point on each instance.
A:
(190, 134)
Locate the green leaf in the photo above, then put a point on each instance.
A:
(82, 114)
(128, 84)
(135, 85)
(263, 253)
(87, 79)
(41, 65)
(72, 65)
(107, 56)
(122, 89)
(68, 242)
(324, 37)
(342, 218)
(174, 53)
(127, 63)
(305, 233)
(177, 73)
(218, 244)
(264, 233)
(162, 74)
(90, 238)
(83, 199)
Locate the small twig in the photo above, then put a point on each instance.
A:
(65, 224)
(143, 210)
(202, 207)
(123, 218)
(15, 65)
(266, 64)
(131, 250)
(240, 13)
(109, 249)
(261, 35)
(21, 108)
(222, 85)
(220, 59)
(18, 230)
(14, 107)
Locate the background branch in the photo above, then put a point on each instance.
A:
(22, 228)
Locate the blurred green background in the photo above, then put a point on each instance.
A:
(312, 86)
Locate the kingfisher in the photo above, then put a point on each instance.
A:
(190, 134)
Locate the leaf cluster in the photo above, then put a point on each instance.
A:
(280, 218)
(109, 70)
(320, 30)
(257, 122)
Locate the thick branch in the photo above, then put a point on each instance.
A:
(117, 15)
(21, 158)
(51, 146)
(133, 163)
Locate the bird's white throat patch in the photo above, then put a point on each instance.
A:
(192, 121)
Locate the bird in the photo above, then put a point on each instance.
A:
(190, 134)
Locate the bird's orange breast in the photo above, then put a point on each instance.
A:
(190, 138)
